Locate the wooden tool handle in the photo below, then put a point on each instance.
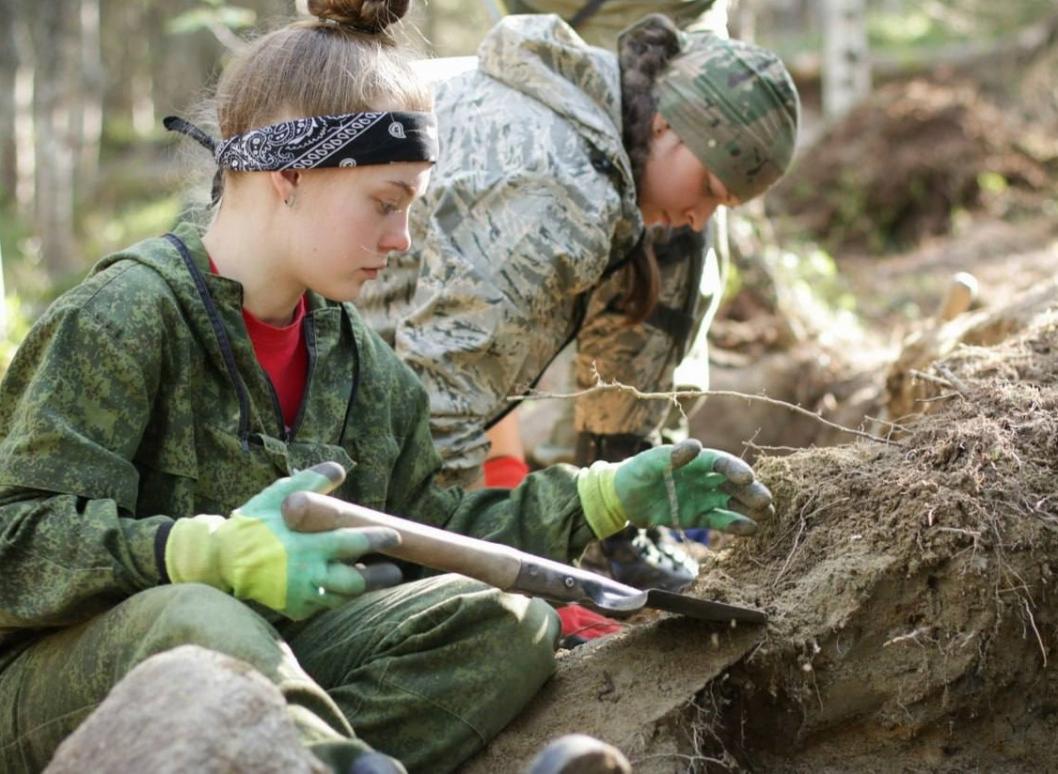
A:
(438, 549)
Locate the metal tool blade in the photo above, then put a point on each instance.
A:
(704, 609)
(564, 583)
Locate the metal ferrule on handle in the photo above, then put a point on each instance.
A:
(565, 583)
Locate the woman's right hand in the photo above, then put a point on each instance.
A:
(253, 554)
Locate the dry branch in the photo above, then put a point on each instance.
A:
(675, 396)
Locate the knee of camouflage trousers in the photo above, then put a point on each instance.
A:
(431, 670)
(195, 614)
(534, 637)
(58, 680)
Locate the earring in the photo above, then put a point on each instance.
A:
(289, 201)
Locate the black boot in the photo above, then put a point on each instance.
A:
(641, 558)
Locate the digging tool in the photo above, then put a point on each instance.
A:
(501, 566)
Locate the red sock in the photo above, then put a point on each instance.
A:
(585, 624)
(505, 472)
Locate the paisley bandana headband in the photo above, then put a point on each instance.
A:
(349, 140)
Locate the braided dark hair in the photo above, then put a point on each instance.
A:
(643, 53)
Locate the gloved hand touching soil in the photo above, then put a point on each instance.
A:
(254, 555)
(679, 486)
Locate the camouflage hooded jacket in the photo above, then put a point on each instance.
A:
(137, 399)
(532, 201)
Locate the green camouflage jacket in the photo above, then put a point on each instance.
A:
(531, 202)
(124, 409)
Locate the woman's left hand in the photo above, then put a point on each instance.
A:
(680, 486)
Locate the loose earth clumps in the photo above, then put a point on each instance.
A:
(909, 585)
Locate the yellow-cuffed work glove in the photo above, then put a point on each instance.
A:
(679, 486)
(252, 554)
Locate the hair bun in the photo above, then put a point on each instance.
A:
(372, 16)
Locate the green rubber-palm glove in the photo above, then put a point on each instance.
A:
(254, 555)
(680, 486)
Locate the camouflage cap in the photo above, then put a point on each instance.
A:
(735, 106)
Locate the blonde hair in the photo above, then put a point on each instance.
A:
(343, 61)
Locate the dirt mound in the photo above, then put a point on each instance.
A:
(898, 166)
(916, 380)
(911, 625)
(908, 587)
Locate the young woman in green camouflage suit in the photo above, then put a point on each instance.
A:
(152, 423)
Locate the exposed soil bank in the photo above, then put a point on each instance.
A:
(909, 588)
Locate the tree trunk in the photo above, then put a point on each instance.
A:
(8, 70)
(88, 120)
(25, 150)
(54, 33)
(142, 85)
(743, 21)
(846, 65)
(429, 27)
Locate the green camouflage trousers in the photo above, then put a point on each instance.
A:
(427, 672)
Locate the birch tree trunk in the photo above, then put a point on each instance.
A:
(846, 64)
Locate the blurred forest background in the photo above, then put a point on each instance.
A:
(85, 166)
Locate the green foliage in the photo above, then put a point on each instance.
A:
(15, 315)
(733, 283)
(14, 232)
(992, 182)
(135, 220)
(904, 27)
(22, 267)
(209, 14)
(15, 321)
(120, 138)
(905, 31)
(107, 224)
(812, 291)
